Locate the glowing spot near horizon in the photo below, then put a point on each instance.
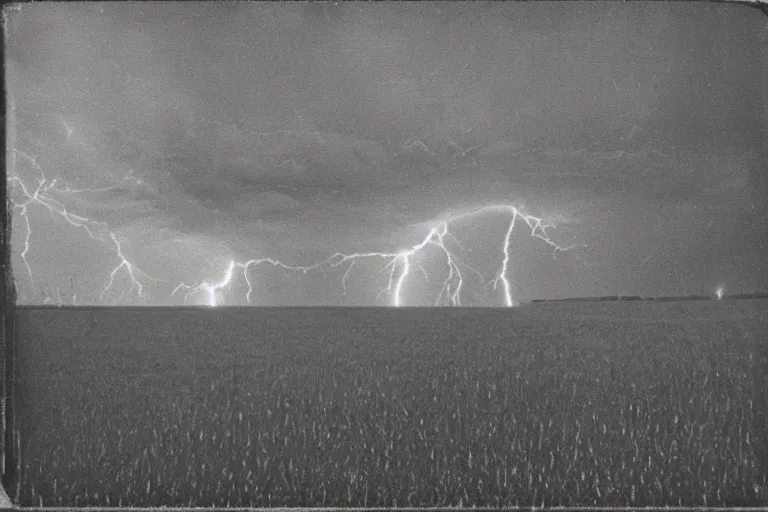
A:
(719, 292)
(211, 290)
(400, 264)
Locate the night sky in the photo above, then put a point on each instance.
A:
(214, 132)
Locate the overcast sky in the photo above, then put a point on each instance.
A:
(282, 130)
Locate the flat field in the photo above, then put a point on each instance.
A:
(607, 403)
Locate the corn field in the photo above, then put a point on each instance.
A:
(569, 404)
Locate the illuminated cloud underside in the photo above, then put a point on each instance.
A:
(401, 265)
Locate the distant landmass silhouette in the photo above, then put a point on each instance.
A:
(756, 295)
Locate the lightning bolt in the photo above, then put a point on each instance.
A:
(210, 289)
(400, 265)
(98, 231)
(67, 127)
(130, 268)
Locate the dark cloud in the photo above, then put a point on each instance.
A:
(302, 129)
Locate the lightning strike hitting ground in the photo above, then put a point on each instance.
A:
(399, 264)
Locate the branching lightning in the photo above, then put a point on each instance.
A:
(96, 230)
(400, 265)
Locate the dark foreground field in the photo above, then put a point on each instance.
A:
(572, 404)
